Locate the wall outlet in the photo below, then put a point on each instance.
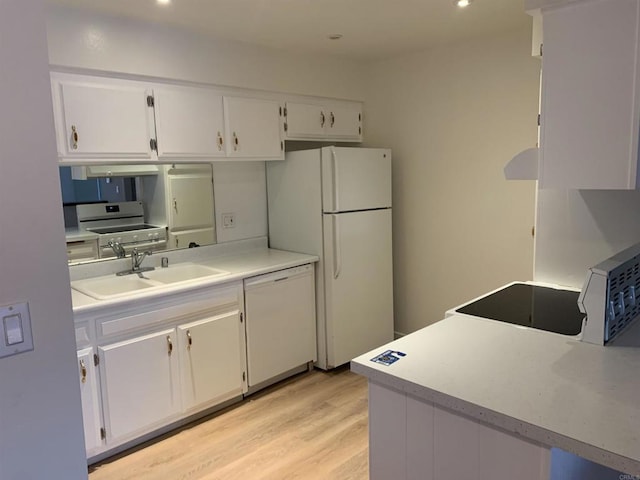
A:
(228, 220)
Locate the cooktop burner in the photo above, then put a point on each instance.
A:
(121, 228)
(533, 306)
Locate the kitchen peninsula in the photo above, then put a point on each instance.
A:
(475, 398)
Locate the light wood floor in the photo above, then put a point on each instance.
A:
(313, 426)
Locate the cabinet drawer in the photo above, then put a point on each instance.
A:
(139, 319)
(82, 250)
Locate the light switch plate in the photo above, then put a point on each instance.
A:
(15, 326)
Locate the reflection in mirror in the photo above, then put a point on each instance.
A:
(110, 210)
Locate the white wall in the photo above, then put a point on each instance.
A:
(454, 116)
(40, 413)
(240, 188)
(577, 229)
(78, 39)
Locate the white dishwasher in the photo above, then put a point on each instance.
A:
(280, 321)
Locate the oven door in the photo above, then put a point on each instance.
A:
(107, 252)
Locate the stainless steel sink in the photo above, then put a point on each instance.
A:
(112, 286)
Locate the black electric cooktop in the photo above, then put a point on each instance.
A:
(533, 306)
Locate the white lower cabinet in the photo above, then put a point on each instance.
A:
(91, 414)
(163, 361)
(210, 354)
(139, 379)
(160, 363)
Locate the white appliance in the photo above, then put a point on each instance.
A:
(281, 324)
(335, 203)
(120, 223)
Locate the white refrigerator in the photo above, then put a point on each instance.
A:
(335, 202)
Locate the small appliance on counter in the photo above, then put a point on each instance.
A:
(608, 296)
(529, 304)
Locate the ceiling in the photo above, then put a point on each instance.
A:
(371, 29)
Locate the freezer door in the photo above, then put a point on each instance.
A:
(358, 281)
(355, 179)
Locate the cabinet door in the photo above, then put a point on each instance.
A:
(210, 360)
(344, 122)
(140, 386)
(189, 123)
(590, 103)
(305, 121)
(91, 415)
(253, 128)
(104, 120)
(190, 201)
(182, 239)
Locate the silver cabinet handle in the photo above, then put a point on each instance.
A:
(322, 119)
(189, 340)
(169, 345)
(74, 137)
(236, 142)
(333, 119)
(220, 141)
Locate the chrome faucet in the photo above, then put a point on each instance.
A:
(136, 263)
(136, 260)
(117, 248)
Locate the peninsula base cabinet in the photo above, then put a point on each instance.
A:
(411, 439)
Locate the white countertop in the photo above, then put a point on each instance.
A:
(239, 263)
(555, 391)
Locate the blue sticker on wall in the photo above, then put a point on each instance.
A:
(388, 357)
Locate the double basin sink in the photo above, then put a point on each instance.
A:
(113, 286)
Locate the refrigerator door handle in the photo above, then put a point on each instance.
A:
(337, 257)
(334, 180)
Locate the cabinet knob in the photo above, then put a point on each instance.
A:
(169, 345)
(83, 371)
(74, 137)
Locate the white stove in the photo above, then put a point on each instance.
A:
(120, 224)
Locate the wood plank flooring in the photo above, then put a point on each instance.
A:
(313, 426)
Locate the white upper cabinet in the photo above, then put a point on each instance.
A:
(103, 118)
(187, 193)
(590, 98)
(189, 123)
(340, 121)
(253, 128)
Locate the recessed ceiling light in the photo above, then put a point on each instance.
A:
(163, 2)
(335, 36)
(462, 3)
